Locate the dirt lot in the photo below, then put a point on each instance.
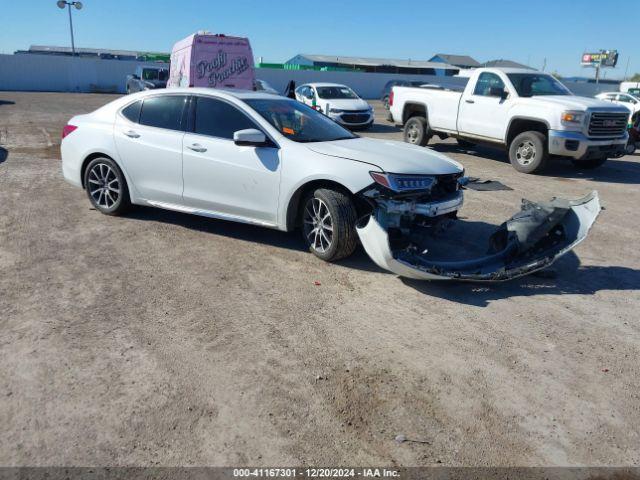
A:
(162, 338)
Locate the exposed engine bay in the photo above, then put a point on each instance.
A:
(416, 233)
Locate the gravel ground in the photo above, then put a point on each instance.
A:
(165, 339)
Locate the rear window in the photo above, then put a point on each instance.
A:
(132, 112)
(163, 112)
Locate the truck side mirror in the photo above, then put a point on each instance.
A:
(498, 92)
(135, 77)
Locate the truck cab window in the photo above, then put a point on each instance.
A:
(487, 81)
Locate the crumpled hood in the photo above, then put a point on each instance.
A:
(390, 156)
(573, 102)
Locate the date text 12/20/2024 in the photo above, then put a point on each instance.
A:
(315, 473)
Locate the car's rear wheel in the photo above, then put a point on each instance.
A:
(328, 224)
(589, 164)
(106, 186)
(415, 131)
(528, 152)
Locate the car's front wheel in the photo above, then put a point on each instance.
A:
(528, 152)
(106, 186)
(328, 224)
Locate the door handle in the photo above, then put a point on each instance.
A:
(196, 147)
(468, 100)
(131, 134)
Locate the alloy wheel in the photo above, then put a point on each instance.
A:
(103, 185)
(318, 225)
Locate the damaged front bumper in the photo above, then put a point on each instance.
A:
(530, 240)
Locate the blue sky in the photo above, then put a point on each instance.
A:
(525, 31)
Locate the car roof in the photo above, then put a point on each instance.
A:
(221, 92)
(324, 84)
(514, 70)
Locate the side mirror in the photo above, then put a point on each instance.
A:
(135, 77)
(250, 138)
(309, 96)
(498, 92)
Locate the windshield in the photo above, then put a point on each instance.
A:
(534, 84)
(335, 92)
(155, 74)
(297, 121)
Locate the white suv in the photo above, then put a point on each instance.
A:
(338, 102)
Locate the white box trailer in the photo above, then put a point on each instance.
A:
(212, 60)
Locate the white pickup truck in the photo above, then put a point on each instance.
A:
(529, 113)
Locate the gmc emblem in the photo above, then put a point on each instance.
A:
(609, 123)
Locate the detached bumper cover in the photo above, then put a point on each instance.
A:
(531, 240)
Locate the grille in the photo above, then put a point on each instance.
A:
(607, 124)
(355, 117)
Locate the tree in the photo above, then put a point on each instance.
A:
(636, 78)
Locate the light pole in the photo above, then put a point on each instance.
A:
(63, 4)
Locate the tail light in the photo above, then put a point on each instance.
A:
(67, 129)
(391, 98)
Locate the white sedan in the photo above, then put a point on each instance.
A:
(625, 99)
(338, 102)
(271, 161)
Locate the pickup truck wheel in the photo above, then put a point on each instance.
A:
(329, 224)
(528, 152)
(415, 131)
(589, 164)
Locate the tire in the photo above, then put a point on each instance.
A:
(106, 187)
(464, 143)
(630, 148)
(528, 152)
(342, 239)
(589, 164)
(415, 131)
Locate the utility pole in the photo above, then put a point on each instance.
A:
(62, 4)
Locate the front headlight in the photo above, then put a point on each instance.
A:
(403, 183)
(571, 118)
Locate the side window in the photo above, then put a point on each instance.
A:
(132, 112)
(163, 112)
(219, 119)
(486, 82)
